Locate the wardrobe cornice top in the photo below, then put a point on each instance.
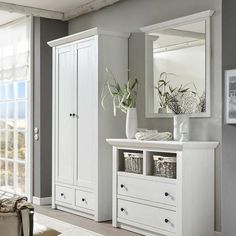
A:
(85, 34)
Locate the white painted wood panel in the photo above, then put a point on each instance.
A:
(137, 198)
(65, 195)
(85, 199)
(147, 215)
(198, 192)
(66, 107)
(112, 54)
(87, 113)
(147, 190)
(161, 145)
(82, 161)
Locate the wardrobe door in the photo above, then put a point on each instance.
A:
(66, 107)
(87, 112)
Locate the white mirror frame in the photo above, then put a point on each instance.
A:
(149, 92)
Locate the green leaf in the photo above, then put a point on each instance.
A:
(159, 91)
(184, 90)
(122, 97)
(134, 84)
(161, 81)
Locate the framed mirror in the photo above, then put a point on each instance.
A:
(178, 66)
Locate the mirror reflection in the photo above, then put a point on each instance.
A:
(179, 76)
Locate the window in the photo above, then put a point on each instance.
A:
(14, 106)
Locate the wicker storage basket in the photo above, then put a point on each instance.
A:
(164, 166)
(133, 162)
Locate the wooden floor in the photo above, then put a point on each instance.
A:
(104, 228)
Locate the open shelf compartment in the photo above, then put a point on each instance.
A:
(168, 158)
(147, 163)
(129, 163)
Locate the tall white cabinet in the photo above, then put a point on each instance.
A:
(82, 163)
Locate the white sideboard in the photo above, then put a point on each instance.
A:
(82, 164)
(152, 205)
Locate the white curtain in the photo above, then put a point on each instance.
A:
(14, 50)
(14, 105)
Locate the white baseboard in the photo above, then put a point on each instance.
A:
(42, 201)
(218, 233)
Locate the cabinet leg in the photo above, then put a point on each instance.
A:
(54, 206)
(114, 223)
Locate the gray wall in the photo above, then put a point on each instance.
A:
(129, 16)
(44, 31)
(228, 131)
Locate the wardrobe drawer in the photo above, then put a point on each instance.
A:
(147, 215)
(65, 194)
(85, 199)
(147, 190)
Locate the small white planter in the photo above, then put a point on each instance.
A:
(181, 127)
(131, 123)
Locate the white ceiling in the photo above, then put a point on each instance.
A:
(52, 5)
(57, 9)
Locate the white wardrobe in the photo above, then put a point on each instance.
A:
(82, 161)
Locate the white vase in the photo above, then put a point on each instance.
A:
(181, 127)
(131, 123)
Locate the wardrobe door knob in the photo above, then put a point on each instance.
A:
(166, 194)
(70, 114)
(73, 114)
(166, 220)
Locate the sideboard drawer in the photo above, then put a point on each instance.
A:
(147, 215)
(147, 190)
(85, 199)
(65, 194)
